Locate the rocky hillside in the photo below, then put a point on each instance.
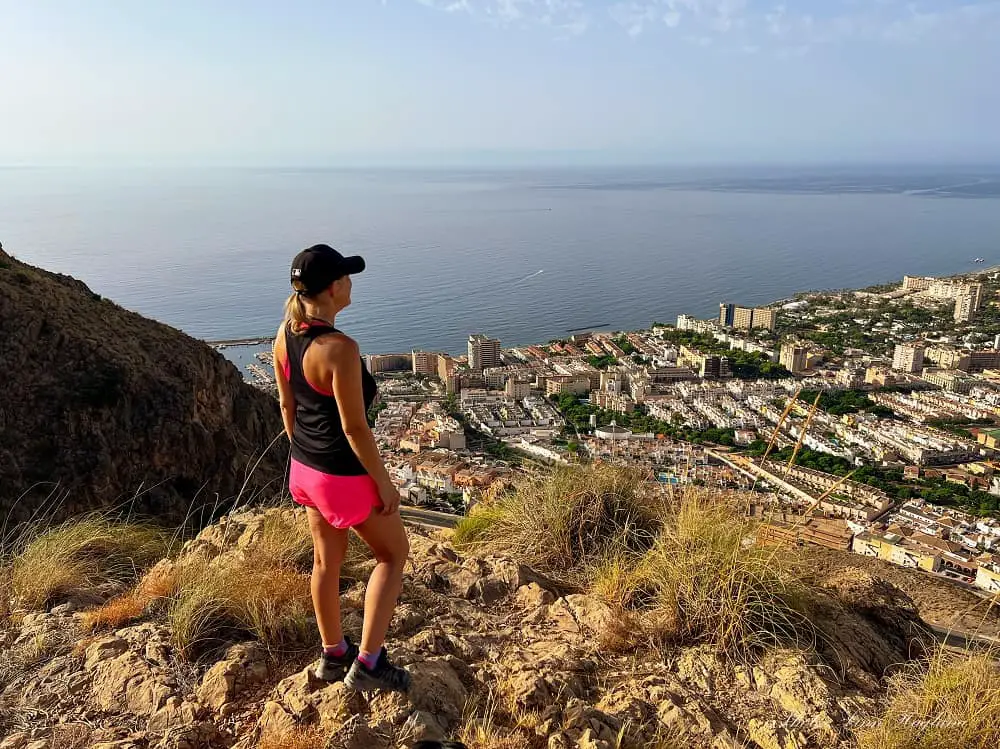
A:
(101, 406)
(501, 656)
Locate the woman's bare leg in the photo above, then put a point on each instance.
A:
(329, 549)
(386, 537)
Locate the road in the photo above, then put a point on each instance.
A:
(428, 518)
(964, 641)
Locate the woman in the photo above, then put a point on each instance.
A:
(336, 470)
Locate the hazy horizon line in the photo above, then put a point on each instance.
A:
(410, 165)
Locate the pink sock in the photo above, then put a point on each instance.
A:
(369, 660)
(336, 650)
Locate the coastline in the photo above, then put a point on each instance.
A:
(254, 342)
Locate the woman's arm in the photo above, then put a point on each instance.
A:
(345, 360)
(286, 397)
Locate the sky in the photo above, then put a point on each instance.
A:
(498, 82)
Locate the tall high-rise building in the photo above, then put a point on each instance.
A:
(764, 319)
(908, 357)
(794, 357)
(966, 305)
(483, 352)
(976, 290)
(425, 363)
(726, 314)
(446, 365)
(743, 318)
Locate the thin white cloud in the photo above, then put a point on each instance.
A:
(568, 17)
(634, 17)
(777, 25)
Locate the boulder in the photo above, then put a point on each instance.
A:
(126, 684)
(768, 734)
(243, 666)
(275, 720)
(356, 734)
(104, 649)
(437, 690)
(174, 714)
(17, 740)
(532, 596)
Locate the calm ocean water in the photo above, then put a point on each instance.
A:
(525, 256)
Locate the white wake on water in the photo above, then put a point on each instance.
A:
(532, 275)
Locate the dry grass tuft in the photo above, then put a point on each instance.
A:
(259, 590)
(659, 736)
(561, 522)
(493, 721)
(239, 595)
(7, 619)
(704, 580)
(81, 553)
(950, 701)
(679, 569)
(303, 737)
(156, 585)
(284, 541)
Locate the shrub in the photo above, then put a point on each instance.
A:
(81, 553)
(561, 522)
(949, 701)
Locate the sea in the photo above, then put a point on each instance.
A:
(524, 255)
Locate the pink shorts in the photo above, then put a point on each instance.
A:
(345, 501)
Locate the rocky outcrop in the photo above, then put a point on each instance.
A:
(101, 405)
(493, 647)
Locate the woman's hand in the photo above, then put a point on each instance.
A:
(389, 494)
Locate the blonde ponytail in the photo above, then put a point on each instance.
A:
(295, 314)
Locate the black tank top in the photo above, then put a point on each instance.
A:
(318, 439)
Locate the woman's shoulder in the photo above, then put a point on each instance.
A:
(338, 344)
(279, 336)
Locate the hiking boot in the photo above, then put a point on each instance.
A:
(334, 667)
(384, 677)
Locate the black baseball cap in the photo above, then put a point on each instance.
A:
(318, 266)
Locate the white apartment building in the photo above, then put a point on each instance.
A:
(794, 357)
(908, 357)
(966, 305)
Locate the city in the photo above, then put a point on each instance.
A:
(866, 421)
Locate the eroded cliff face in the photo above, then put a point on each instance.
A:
(100, 406)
